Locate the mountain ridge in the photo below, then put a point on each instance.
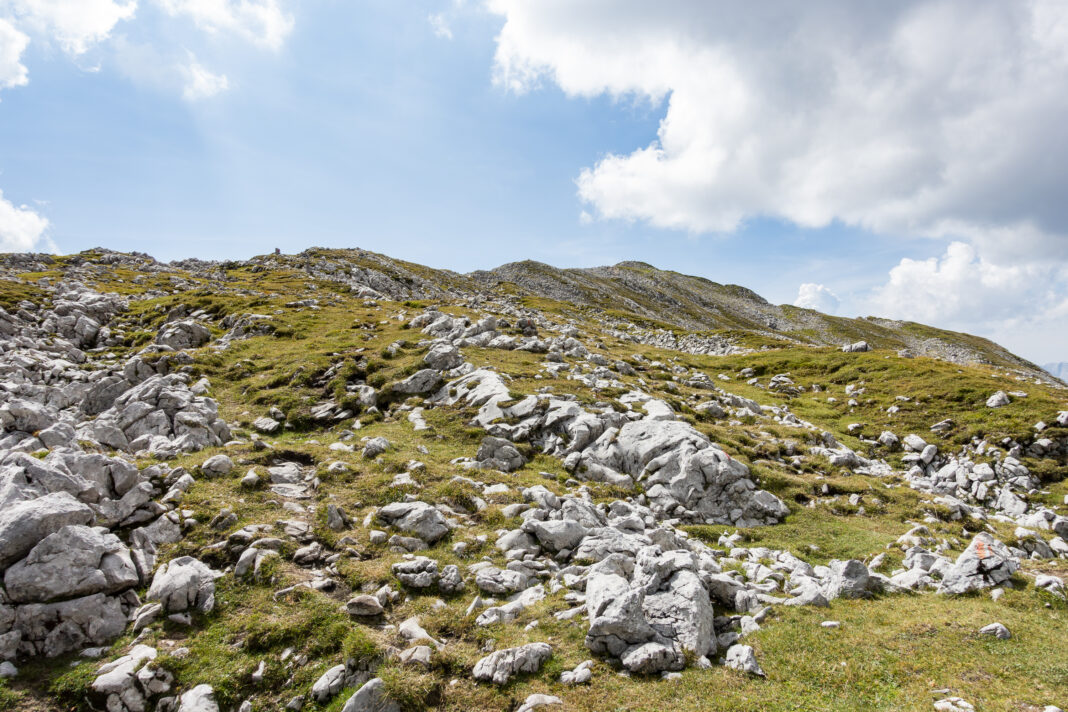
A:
(636, 290)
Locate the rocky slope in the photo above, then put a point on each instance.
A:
(340, 481)
(697, 304)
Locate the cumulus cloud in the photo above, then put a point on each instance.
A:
(263, 22)
(933, 118)
(818, 297)
(78, 25)
(963, 287)
(12, 44)
(201, 83)
(75, 24)
(22, 229)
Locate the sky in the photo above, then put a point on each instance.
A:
(907, 160)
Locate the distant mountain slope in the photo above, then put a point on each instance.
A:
(633, 292)
(698, 304)
(1059, 369)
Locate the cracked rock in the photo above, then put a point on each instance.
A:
(501, 666)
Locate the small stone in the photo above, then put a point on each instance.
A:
(364, 606)
(953, 704)
(375, 447)
(582, 674)
(501, 666)
(741, 657)
(998, 400)
(371, 698)
(535, 701)
(417, 655)
(217, 465)
(997, 630)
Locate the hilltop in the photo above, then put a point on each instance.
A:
(337, 480)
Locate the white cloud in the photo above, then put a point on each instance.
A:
(904, 118)
(146, 65)
(201, 83)
(75, 24)
(12, 44)
(22, 229)
(962, 287)
(440, 24)
(818, 297)
(263, 22)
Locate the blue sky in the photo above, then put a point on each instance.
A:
(464, 135)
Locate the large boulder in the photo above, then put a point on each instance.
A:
(856, 347)
(417, 518)
(199, 699)
(420, 382)
(848, 579)
(684, 473)
(683, 612)
(501, 666)
(499, 454)
(24, 477)
(984, 564)
(184, 584)
(127, 682)
(183, 335)
(371, 697)
(617, 621)
(742, 658)
(501, 581)
(217, 465)
(51, 629)
(443, 357)
(419, 572)
(162, 415)
(75, 561)
(556, 534)
(24, 524)
(998, 400)
(328, 684)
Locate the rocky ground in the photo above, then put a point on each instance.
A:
(338, 481)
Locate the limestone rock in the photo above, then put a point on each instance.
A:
(51, 629)
(24, 524)
(75, 561)
(418, 518)
(997, 630)
(199, 699)
(741, 657)
(328, 684)
(998, 400)
(985, 563)
(184, 584)
(183, 335)
(501, 666)
(537, 701)
(420, 382)
(371, 698)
